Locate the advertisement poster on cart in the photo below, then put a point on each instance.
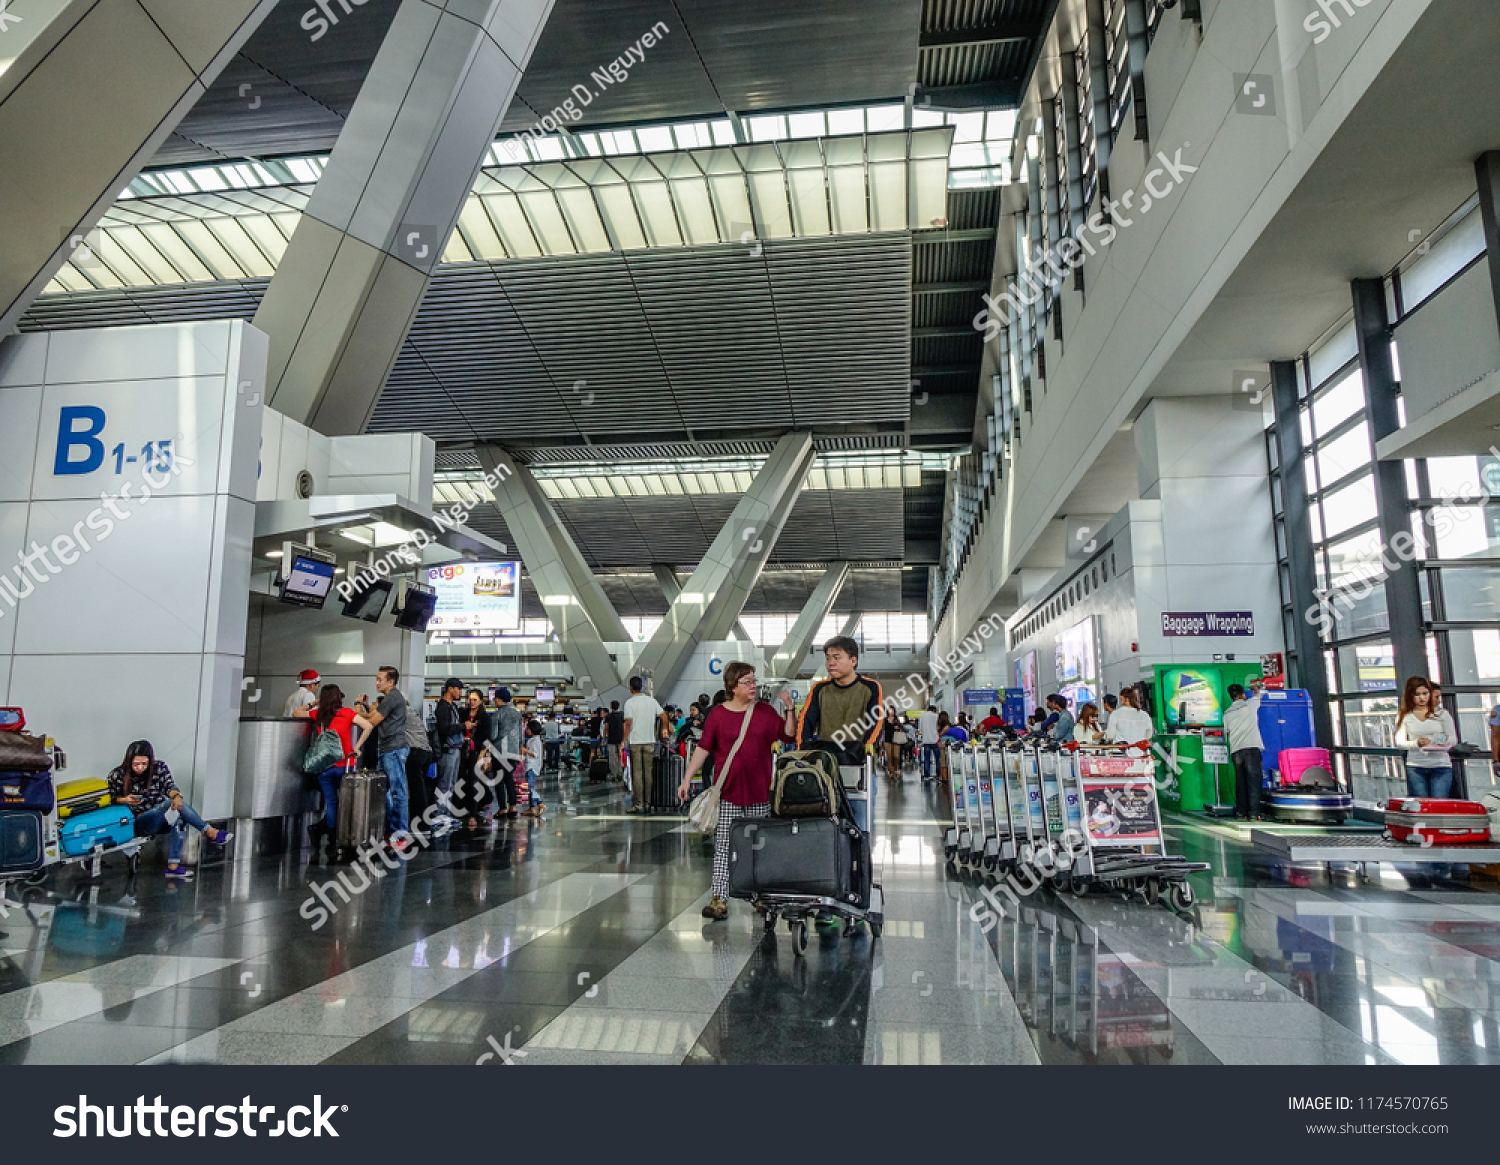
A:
(1120, 802)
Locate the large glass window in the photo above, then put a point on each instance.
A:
(1456, 537)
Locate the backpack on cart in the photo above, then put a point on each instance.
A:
(806, 784)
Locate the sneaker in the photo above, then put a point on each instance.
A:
(827, 922)
(634, 809)
(179, 874)
(717, 909)
(224, 838)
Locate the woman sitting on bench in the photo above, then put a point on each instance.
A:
(145, 785)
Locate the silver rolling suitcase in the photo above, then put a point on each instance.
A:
(361, 817)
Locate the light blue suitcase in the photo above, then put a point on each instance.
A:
(109, 827)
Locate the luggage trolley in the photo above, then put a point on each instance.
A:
(1122, 846)
(976, 845)
(992, 811)
(857, 784)
(1018, 835)
(956, 839)
(968, 829)
(52, 855)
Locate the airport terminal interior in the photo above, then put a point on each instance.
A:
(648, 532)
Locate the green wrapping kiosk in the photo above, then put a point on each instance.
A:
(1188, 702)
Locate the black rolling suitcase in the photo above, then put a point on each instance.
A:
(667, 769)
(599, 767)
(821, 857)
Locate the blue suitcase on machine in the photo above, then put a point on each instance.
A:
(109, 827)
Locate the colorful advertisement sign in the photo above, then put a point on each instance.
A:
(1026, 679)
(1192, 696)
(476, 596)
(1078, 665)
(1119, 801)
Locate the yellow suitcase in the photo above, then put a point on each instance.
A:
(82, 796)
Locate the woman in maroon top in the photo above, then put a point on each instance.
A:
(746, 785)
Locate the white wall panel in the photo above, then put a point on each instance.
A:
(20, 409)
(97, 704)
(12, 544)
(23, 360)
(142, 589)
(107, 355)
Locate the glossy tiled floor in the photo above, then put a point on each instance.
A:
(579, 940)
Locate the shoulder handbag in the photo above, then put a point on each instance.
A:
(703, 815)
(326, 751)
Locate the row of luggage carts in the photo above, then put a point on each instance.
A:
(1084, 820)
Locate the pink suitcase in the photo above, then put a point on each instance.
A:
(1428, 821)
(1310, 766)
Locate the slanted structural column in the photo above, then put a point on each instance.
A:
(666, 578)
(787, 661)
(92, 89)
(715, 595)
(358, 264)
(567, 587)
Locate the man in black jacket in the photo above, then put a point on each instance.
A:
(614, 731)
(450, 740)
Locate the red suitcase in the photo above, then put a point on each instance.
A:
(1426, 821)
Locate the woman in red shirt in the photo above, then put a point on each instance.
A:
(329, 712)
(746, 785)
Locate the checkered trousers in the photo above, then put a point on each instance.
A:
(728, 815)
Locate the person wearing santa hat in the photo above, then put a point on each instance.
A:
(306, 695)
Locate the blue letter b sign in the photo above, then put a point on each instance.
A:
(78, 426)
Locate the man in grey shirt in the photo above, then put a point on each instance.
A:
(389, 721)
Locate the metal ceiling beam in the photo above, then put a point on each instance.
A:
(716, 593)
(956, 332)
(997, 94)
(786, 662)
(945, 288)
(996, 32)
(345, 294)
(920, 370)
(85, 101)
(931, 238)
